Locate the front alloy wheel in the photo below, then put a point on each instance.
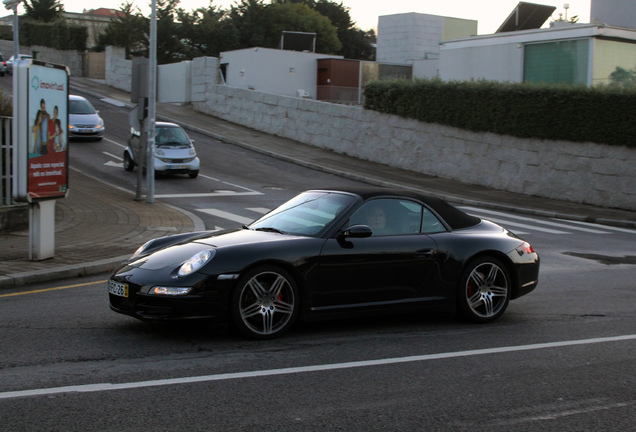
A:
(484, 291)
(265, 303)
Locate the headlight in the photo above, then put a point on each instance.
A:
(159, 153)
(196, 262)
(171, 291)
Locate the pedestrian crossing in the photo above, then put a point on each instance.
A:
(519, 224)
(526, 224)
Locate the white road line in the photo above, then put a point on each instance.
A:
(605, 227)
(507, 223)
(253, 192)
(304, 369)
(206, 194)
(261, 210)
(227, 215)
(113, 156)
(554, 224)
(115, 142)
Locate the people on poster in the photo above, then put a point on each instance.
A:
(55, 132)
(44, 128)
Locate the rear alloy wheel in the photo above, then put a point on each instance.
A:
(265, 303)
(484, 291)
(129, 164)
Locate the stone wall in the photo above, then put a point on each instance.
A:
(118, 69)
(72, 59)
(578, 172)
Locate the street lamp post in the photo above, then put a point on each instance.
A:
(152, 102)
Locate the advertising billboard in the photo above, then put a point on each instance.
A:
(41, 127)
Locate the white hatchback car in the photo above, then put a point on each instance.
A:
(84, 121)
(174, 151)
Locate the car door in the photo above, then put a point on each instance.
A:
(391, 266)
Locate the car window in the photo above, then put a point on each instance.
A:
(171, 135)
(80, 106)
(394, 216)
(307, 214)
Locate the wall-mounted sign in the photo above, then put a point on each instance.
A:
(41, 125)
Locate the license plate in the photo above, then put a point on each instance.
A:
(118, 289)
(177, 166)
(85, 131)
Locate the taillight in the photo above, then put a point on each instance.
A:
(525, 248)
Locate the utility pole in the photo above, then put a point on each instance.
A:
(152, 102)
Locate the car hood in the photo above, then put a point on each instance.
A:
(177, 152)
(83, 118)
(176, 254)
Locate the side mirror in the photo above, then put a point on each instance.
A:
(357, 231)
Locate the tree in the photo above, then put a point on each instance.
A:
(248, 17)
(355, 43)
(207, 32)
(128, 29)
(169, 46)
(43, 10)
(300, 18)
(622, 77)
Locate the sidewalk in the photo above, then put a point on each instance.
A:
(98, 225)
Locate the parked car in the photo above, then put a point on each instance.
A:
(330, 253)
(174, 151)
(83, 119)
(9, 62)
(3, 66)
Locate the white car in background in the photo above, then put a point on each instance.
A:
(174, 151)
(11, 59)
(83, 119)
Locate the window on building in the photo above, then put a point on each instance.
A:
(562, 62)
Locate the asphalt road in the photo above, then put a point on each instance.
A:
(560, 359)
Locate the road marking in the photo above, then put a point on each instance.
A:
(524, 218)
(207, 194)
(52, 289)
(227, 215)
(115, 142)
(113, 156)
(261, 210)
(605, 227)
(506, 223)
(303, 369)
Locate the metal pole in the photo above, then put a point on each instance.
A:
(152, 100)
(16, 41)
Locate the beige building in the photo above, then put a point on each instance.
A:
(95, 20)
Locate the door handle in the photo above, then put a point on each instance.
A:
(425, 252)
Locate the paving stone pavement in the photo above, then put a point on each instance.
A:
(96, 224)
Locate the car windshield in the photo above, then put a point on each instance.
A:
(309, 213)
(172, 136)
(80, 106)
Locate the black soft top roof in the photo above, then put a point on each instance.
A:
(454, 217)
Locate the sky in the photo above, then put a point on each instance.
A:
(490, 14)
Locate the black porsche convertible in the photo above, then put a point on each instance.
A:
(329, 253)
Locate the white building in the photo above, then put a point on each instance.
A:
(414, 39)
(567, 52)
(575, 54)
(282, 72)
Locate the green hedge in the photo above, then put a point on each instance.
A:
(572, 113)
(58, 35)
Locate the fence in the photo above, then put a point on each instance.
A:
(6, 161)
